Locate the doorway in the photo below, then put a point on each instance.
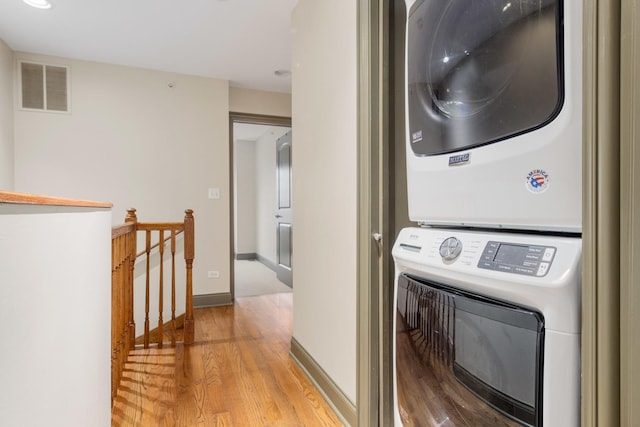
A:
(260, 186)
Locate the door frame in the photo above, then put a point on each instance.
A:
(611, 228)
(254, 119)
(629, 211)
(373, 254)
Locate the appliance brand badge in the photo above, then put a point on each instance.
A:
(416, 137)
(537, 181)
(459, 159)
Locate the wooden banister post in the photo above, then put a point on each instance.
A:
(146, 288)
(189, 255)
(131, 218)
(161, 289)
(173, 287)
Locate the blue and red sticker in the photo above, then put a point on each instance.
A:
(537, 181)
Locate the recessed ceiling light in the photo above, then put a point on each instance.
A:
(40, 4)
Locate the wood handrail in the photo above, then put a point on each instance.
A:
(120, 230)
(154, 226)
(36, 199)
(124, 255)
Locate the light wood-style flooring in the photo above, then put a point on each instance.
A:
(237, 373)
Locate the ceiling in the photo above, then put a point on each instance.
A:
(243, 41)
(253, 132)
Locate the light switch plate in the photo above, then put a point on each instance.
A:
(214, 193)
(213, 274)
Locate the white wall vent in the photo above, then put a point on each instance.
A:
(44, 87)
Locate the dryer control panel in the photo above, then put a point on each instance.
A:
(529, 260)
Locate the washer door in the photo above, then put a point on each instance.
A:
(464, 359)
(481, 71)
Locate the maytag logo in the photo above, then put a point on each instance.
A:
(460, 159)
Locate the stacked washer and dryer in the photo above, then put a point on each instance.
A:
(487, 301)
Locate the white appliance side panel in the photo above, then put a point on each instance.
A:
(491, 190)
(561, 382)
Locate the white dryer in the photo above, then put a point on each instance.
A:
(494, 118)
(487, 329)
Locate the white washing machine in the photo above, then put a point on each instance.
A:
(487, 329)
(494, 117)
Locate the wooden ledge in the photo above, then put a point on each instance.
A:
(34, 199)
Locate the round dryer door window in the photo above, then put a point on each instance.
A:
(480, 71)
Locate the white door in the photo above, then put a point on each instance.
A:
(283, 209)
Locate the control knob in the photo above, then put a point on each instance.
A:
(450, 248)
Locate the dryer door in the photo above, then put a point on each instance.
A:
(481, 71)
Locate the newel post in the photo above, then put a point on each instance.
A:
(131, 218)
(189, 254)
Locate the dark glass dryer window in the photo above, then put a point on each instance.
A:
(479, 71)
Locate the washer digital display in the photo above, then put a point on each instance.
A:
(528, 260)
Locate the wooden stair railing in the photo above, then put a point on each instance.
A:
(123, 250)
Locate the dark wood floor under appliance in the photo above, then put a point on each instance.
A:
(238, 373)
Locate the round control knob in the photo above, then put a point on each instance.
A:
(450, 249)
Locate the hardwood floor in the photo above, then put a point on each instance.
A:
(237, 373)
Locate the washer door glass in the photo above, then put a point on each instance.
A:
(464, 359)
(479, 71)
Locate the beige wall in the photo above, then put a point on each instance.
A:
(244, 175)
(259, 102)
(325, 183)
(134, 141)
(6, 117)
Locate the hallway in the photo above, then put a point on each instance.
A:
(237, 373)
(253, 278)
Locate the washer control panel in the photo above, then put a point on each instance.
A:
(528, 260)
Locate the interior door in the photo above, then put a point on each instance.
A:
(283, 209)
